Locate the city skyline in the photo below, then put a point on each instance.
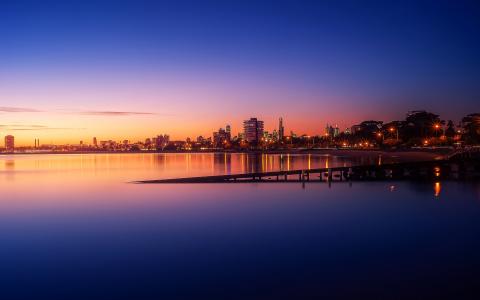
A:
(420, 128)
(27, 132)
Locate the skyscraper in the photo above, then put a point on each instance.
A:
(161, 141)
(9, 143)
(95, 144)
(281, 130)
(253, 130)
(222, 136)
(228, 132)
(336, 131)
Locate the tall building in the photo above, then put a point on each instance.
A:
(281, 130)
(336, 131)
(253, 130)
(228, 132)
(9, 143)
(275, 135)
(95, 144)
(222, 136)
(161, 141)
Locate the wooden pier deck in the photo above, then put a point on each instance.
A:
(409, 170)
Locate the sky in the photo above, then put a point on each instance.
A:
(71, 70)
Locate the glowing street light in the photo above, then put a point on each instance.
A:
(392, 129)
(436, 127)
(380, 135)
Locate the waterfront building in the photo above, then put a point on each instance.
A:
(330, 131)
(355, 129)
(253, 130)
(281, 130)
(275, 136)
(241, 136)
(95, 144)
(222, 136)
(336, 131)
(9, 143)
(228, 132)
(147, 144)
(161, 141)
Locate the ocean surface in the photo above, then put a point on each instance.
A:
(76, 227)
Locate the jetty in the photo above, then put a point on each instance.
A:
(458, 165)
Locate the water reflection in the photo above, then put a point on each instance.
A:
(9, 168)
(437, 189)
(70, 221)
(117, 167)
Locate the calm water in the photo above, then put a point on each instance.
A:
(71, 226)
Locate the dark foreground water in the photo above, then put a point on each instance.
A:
(71, 227)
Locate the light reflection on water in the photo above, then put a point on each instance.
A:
(71, 221)
(152, 166)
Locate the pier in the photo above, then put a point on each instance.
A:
(436, 169)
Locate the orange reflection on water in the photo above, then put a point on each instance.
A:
(89, 173)
(437, 189)
(437, 171)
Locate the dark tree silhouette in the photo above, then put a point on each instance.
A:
(471, 126)
(450, 131)
(422, 124)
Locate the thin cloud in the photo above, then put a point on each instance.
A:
(113, 113)
(18, 127)
(47, 128)
(17, 109)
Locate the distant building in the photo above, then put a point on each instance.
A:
(330, 131)
(9, 143)
(241, 136)
(200, 139)
(148, 143)
(228, 131)
(281, 130)
(222, 136)
(161, 141)
(95, 143)
(355, 129)
(367, 129)
(275, 136)
(253, 130)
(336, 131)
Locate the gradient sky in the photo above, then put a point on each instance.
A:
(133, 69)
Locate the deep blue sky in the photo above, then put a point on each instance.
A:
(319, 61)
